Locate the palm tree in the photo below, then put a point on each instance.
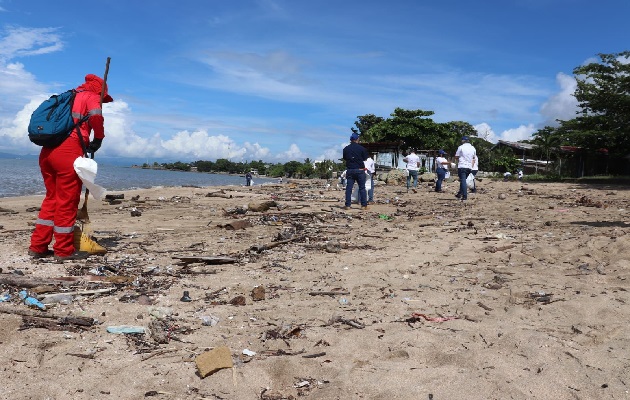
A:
(547, 142)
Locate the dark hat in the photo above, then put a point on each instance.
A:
(441, 152)
(464, 138)
(354, 136)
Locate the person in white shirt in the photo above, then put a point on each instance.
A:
(413, 165)
(466, 156)
(370, 169)
(442, 165)
(520, 174)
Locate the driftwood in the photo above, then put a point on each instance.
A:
(26, 281)
(329, 293)
(73, 324)
(346, 321)
(236, 225)
(220, 193)
(84, 292)
(204, 259)
(31, 282)
(494, 249)
(31, 319)
(263, 247)
(323, 353)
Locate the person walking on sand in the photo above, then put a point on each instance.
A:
(58, 212)
(442, 165)
(466, 156)
(413, 165)
(248, 179)
(354, 154)
(370, 168)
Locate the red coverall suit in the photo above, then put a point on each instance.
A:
(58, 213)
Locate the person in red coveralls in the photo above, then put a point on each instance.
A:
(58, 213)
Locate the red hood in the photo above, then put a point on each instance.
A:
(95, 84)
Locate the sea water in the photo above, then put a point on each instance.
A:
(22, 177)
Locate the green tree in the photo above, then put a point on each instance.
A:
(204, 166)
(276, 170)
(502, 159)
(410, 126)
(547, 141)
(363, 125)
(484, 152)
(603, 94)
(306, 170)
(223, 165)
(324, 169)
(452, 135)
(260, 166)
(291, 168)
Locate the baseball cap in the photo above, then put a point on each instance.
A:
(441, 152)
(354, 136)
(465, 138)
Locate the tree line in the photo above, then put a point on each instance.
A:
(291, 169)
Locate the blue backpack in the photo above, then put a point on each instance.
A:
(51, 123)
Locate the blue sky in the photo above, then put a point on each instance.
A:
(281, 80)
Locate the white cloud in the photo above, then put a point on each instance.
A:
(20, 42)
(485, 132)
(523, 132)
(14, 131)
(121, 140)
(292, 154)
(20, 91)
(562, 105)
(333, 153)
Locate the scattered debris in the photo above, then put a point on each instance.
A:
(214, 360)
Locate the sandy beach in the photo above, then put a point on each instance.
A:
(519, 293)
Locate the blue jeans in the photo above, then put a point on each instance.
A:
(441, 174)
(463, 173)
(359, 176)
(414, 174)
(371, 191)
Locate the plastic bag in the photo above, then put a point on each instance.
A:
(86, 168)
(447, 175)
(368, 182)
(470, 181)
(355, 194)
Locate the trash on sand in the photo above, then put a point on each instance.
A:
(416, 316)
(186, 297)
(214, 360)
(209, 320)
(31, 301)
(249, 353)
(125, 329)
(57, 298)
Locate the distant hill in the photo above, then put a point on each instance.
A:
(23, 156)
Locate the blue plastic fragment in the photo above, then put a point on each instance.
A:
(5, 297)
(31, 301)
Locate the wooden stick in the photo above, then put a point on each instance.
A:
(330, 293)
(83, 211)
